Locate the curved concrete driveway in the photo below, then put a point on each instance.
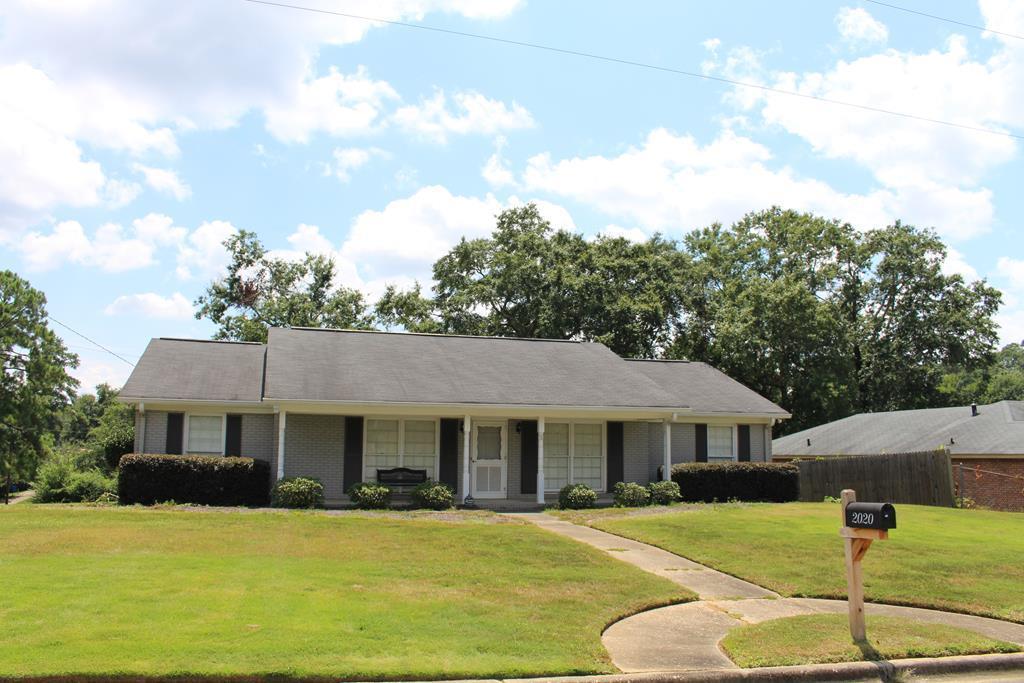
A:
(685, 637)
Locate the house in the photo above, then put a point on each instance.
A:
(986, 445)
(496, 418)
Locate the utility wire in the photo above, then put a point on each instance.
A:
(945, 19)
(643, 65)
(94, 343)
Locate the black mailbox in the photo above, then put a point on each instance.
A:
(871, 515)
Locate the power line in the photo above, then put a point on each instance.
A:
(643, 65)
(945, 19)
(94, 343)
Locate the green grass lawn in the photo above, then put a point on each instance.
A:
(960, 560)
(825, 638)
(157, 592)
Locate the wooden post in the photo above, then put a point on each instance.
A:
(854, 579)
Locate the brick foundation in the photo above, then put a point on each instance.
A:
(988, 488)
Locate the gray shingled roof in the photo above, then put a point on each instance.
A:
(376, 367)
(997, 429)
(331, 365)
(704, 387)
(198, 370)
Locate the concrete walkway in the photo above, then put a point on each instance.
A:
(707, 583)
(685, 637)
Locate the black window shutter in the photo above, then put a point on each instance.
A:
(353, 461)
(702, 442)
(449, 473)
(233, 439)
(743, 443)
(616, 448)
(528, 456)
(175, 433)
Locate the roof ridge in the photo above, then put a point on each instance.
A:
(211, 341)
(430, 334)
(661, 360)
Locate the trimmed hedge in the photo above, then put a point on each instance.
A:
(745, 481)
(202, 480)
(664, 492)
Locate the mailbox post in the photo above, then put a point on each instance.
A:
(862, 524)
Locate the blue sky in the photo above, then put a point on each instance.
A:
(136, 135)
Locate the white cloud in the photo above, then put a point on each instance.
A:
(496, 171)
(674, 183)
(202, 254)
(338, 104)
(473, 113)
(151, 305)
(164, 180)
(92, 372)
(1012, 270)
(60, 94)
(956, 264)
(349, 159)
(858, 27)
(631, 234)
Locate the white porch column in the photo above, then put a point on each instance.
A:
(666, 474)
(540, 460)
(466, 436)
(280, 444)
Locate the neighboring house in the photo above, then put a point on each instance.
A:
(495, 418)
(986, 445)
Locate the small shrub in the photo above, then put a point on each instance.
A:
(369, 496)
(297, 493)
(630, 495)
(576, 497)
(741, 481)
(201, 480)
(433, 495)
(58, 481)
(664, 492)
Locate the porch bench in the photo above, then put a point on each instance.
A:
(401, 477)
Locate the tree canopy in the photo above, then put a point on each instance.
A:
(34, 382)
(261, 291)
(822, 318)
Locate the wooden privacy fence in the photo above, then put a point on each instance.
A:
(924, 478)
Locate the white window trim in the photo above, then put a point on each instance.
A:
(735, 444)
(401, 439)
(223, 432)
(572, 450)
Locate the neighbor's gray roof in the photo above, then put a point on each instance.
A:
(331, 365)
(997, 429)
(305, 364)
(698, 384)
(198, 370)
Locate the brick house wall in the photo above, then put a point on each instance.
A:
(996, 483)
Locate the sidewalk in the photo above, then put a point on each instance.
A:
(684, 638)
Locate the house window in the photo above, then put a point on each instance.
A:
(720, 444)
(395, 442)
(206, 434)
(573, 454)
(556, 456)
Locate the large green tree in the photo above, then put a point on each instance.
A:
(34, 382)
(529, 280)
(1003, 380)
(261, 291)
(826, 320)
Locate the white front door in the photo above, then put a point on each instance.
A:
(489, 458)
